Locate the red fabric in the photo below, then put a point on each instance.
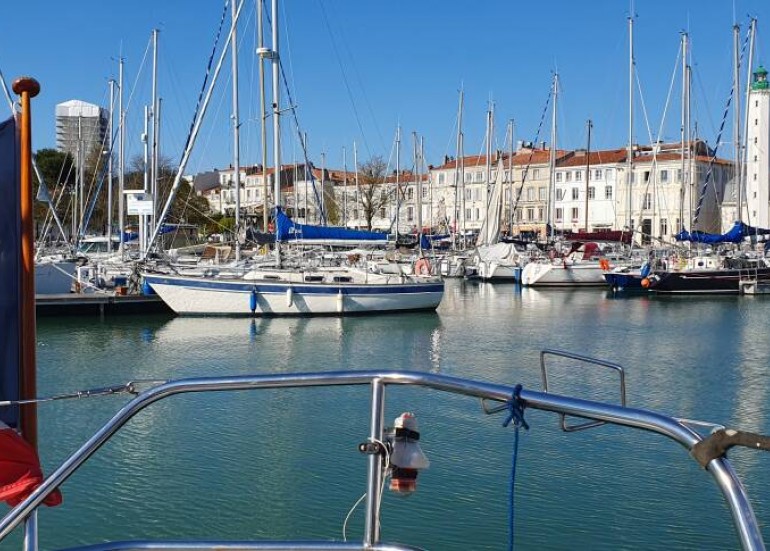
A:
(20, 471)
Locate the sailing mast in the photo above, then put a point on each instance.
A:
(155, 113)
(589, 125)
(236, 131)
(109, 166)
(121, 162)
(683, 185)
(262, 51)
(737, 114)
(276, 119)
(510, 177)
(458, 175)
(398, 177)
(552, 161)
(753, 34)
(630, 152)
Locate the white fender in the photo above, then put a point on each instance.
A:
(289, 296)
(340, 302)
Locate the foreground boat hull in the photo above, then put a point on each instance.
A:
(54, 277)
(201, 296)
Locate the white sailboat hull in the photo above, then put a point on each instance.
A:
(562, 274)
(243, 297)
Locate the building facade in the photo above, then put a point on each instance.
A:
(81, 129)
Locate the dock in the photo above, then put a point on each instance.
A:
(78, 304)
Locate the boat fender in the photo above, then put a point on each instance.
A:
(604, 264)
(406, 456)
(422, 267)
(253, 300)
(289, 296)
(340, 302)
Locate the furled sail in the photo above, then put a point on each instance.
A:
(288, 230)
(737, 233)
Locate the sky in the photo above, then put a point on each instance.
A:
(358, 70)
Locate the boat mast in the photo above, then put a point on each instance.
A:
(322, 212)
(510, 177)
(236, 129)
(276, 119)
(753, 34)
(418, 187)
(109, 166)
(683, 185)
(155, 113)
(489, 165)
(737, 114)
(398, 177)
(345, 188)
(552, 160)
(358, 191)
(145, 179)
(430, 185)
(121, 162)
(82, 179)
(589, 126)
(630, 152)
(458, 176)
(262, 51)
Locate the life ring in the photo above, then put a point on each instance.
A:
(422, 267)
(604, 264)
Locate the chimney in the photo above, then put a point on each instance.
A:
(446, 159)
(542, 145)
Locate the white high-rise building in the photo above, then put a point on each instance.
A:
(757, 209)
(81, 126)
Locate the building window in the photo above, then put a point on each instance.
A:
(477, 194)
(424, 192)
(608, 192)
(558, 177)
(664, 176)
(679, 175)
(409, 214)
(536, 173)
(541, 193)
(519, 215)
(575, 193)
(530, 194)
(468, 193)
(592, 192)
(559, 194)
(467, 177)
(568, 176)
(540, 212)
(441, 179)
(647, 203)
(608, 173)
(382, 212)
(663, 227)
(478, 214)
(508, 195)
(479, 176)
(559, 214)
(410, 194)
(530, 214)
(467, 214)
(598, 174)
(578, 175)
(575, 214)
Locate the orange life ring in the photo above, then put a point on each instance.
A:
(422, 267)
(604, 264)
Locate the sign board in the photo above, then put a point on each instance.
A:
(140, 204)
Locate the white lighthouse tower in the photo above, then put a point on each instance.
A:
(756, 210)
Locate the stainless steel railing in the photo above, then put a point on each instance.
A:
(720, 468)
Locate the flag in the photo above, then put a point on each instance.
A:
(10, 270)
(20, 471)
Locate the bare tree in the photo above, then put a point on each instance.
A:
(372, 187)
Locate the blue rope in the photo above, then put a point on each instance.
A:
(515, 414)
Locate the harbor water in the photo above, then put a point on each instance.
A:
(283, 464)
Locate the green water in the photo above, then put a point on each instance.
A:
(283, 464)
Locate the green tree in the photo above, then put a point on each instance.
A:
(58, 172)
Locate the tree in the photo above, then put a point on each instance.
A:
(372, 188)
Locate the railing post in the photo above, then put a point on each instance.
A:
(30, 532)
(374, 479)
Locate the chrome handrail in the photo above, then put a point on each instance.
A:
(720, 468)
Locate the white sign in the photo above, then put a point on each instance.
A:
(139, 204)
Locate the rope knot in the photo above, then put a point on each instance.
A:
(516, 410)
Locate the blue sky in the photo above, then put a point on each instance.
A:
(357, 69)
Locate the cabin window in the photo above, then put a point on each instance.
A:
(311, 278)
(575, 193)
(342, 279)
(592, 192)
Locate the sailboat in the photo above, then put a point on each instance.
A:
(493, 259)
(297, 284)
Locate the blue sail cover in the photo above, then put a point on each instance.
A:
(737, 233)
(287, 230)
(10, 268)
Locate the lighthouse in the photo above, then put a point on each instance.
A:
(756, 210)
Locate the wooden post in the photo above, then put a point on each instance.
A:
(27, 88)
